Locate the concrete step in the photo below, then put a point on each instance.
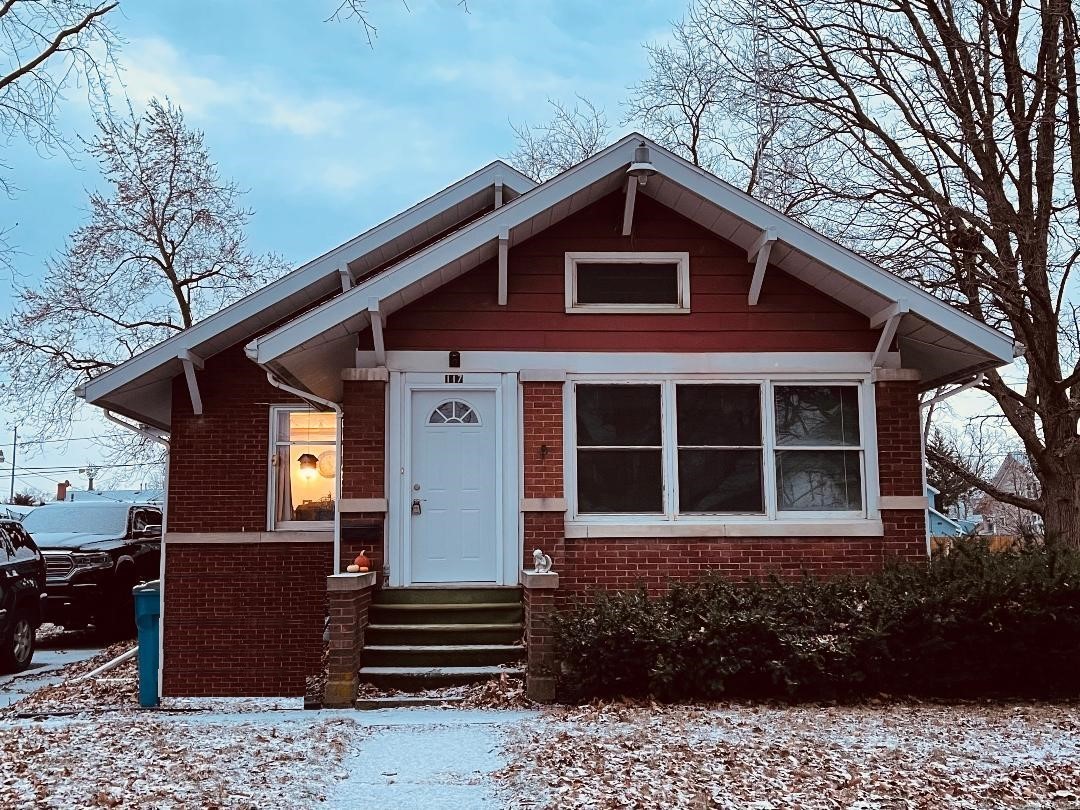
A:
(419, 678)
(417, 596)
(441, 655)
(447, 613)
(438, 634)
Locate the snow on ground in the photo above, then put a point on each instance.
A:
(154, 760)
(772, 758)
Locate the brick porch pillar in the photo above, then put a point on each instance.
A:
(539, 591)
(900, 464)
(349, 596)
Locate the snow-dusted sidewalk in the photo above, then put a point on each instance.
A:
(427, 758)
(768, 758)
(255, 754)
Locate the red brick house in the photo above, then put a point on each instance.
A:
(632, 366)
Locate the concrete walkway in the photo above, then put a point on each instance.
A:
(425, 758)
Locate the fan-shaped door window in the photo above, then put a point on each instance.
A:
(454, 412)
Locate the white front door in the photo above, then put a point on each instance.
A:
(452, 520)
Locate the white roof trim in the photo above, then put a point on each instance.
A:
(312, 325)
(326, 265)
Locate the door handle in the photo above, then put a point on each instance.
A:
(416, 508)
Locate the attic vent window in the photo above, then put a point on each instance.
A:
(628, 282)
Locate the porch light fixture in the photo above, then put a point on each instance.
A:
(642, 168)
(309, 464)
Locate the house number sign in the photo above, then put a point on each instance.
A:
(454, 379)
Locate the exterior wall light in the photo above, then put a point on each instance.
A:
(642, 168)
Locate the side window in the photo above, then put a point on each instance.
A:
(139, 521)
(7, 550)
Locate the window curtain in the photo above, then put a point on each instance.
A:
(284, 484)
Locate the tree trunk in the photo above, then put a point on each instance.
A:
(1061, 510)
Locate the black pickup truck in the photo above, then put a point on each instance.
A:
(22, 584)
(95, 553)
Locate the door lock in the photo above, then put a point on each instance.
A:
(416, 509)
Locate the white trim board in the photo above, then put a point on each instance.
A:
(775, 529)
(753, 363)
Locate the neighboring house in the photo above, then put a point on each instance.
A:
(1016, 477)
(647, 381)
(941, 525)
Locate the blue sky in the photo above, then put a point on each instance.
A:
(330, 135)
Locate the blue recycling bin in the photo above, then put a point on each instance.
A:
(147, 616)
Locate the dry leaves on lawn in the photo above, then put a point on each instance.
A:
(768, 758)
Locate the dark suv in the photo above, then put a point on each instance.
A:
(95, 553)
(22, 585)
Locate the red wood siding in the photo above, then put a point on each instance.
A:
(790, 316)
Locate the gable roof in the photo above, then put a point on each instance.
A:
(939, 340)
(141, 388)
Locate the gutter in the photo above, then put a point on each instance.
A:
(336, 408)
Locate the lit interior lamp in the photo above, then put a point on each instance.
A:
(309, 465)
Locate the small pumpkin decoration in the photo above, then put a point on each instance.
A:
(362, 561)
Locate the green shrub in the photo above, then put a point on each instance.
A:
(970, 624)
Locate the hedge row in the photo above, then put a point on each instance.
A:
(970, 624)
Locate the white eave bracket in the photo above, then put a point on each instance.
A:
(759, 255)
(888, 320)
(346, 279)
(376, 317)
(498, 192)
(628, 207)
(190, 362)
(504, 261)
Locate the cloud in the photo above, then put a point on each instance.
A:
(154, 67)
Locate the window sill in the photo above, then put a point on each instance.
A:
(771, 528)
(627, 309)
(215, 538)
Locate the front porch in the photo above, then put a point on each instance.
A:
(414, 639)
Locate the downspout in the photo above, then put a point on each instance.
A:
(974, 381)
(163, 440)
(336, 408)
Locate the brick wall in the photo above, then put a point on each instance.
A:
(218, 461)
(243, 619)
(542, 413)
(363, 439)
(899, 440)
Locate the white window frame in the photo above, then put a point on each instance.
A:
(771, 515)
(272, 524)
(680, 258)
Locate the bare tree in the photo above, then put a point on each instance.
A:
(358, 11)
(46, 48)
(732, 124)
(569, 137)
(163, 246)
(953, 135)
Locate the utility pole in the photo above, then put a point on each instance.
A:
(14, 444)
